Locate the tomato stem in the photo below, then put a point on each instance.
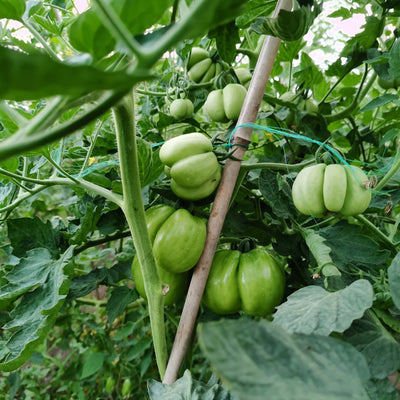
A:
(133, 209)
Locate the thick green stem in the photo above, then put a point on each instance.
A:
(134, 212)
(378, 232)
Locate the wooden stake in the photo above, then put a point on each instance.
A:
(240, 140)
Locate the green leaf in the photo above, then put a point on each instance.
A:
(288, 25)
(120, 297)
(29, 233)
(150, 165)
(381, 390)
(12, 9)
(351, 247)
(30, 272)
(93, 363)
(258, 360)
(394, 60)
(35, 314)
(139, 348)
(254, 9)
(394, 280)
(187, 388)
(87, 32)
(277, 193)
(379, 347)
(342, 12)
(226, 37)
(36, 76)
(380, 101)
(313, 309)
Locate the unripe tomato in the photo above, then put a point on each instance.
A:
(183, 146)
(156, 217)
(186, 172)
(110, 383)
(126, 387)
(391, 84)
(177, 283)
(200, 66)
(244, 76)
(253, 282)
(181, 109)
(321, 188)
(198, 70)
(199, 192)
(179, 242)
(196, 55)
(192, 166)
(225, 104)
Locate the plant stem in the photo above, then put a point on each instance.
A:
(40, 39)
(117, 28)
(29, 138)
(135, 215)
(276, 166)
(378, 232)
(394, 168)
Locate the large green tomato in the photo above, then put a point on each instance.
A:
(179, 242)
(225, 104)
(181, 109)
(321, 188)
(192, 166)
(253, 282)
(183, 146)
(189, 228)
(244, 75)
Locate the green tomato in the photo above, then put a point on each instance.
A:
(253, 282)
(321, 188)
(225, 104)
(234, 95)
(183, 146)
(126, 387)
(177, 284)
(179, 242)
(195, 170)
(214, 106)
(199, 192)
(392, 84)
(244, 75)
(196, 55)
(198, 70)
(110, 383)
(181, 109)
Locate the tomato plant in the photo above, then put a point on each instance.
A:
(128, 157)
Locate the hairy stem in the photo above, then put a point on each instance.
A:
(135, 215)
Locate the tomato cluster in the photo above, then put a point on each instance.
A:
(178, 239)
(253, 282)
(321, 188)
(200, 66)
(225, 104)
(192, 166)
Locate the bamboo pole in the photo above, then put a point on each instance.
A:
(240, 140)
